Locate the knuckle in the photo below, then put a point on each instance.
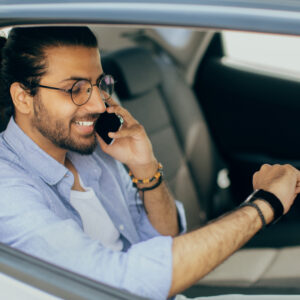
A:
(290, 167)
(139, 127)
(117, 108)
(265, 166)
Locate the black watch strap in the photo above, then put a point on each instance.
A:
(270, 198)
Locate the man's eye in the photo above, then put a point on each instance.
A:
(88, 90)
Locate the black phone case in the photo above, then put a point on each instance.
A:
(107, 123)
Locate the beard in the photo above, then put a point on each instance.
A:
(59, 133)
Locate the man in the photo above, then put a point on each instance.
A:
(65, 196)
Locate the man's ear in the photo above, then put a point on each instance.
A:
(21, 99)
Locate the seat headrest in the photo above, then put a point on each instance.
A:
(135, 71)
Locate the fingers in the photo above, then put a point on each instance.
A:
(121, 111)
(135, 130)
(103, 145)
(264, 168)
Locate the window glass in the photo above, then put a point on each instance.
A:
(176, 37)
(267, 50)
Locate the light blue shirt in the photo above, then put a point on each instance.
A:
(36, 217)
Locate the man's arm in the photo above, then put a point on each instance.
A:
(133, 148)
(197, 253)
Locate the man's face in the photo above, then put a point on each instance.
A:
(55, 117)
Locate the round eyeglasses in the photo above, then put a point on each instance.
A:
(82, 89)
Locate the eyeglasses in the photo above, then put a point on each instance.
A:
(82, 89)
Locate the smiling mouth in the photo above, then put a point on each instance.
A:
(84, 123)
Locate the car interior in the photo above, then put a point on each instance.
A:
(213, 121)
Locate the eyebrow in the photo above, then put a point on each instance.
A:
(74, 78)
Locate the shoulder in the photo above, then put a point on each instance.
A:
(13, 175)
(6, 153)
(9, 160)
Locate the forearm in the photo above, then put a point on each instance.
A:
(161, 210)
(197, 253)
(158, 202)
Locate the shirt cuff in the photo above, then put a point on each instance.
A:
(147, 231)
(150, 271)
(181, 217)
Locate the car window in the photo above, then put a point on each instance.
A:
(176, 37)
(179, 128)
(265, 50)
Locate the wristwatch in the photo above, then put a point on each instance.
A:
(270, 198)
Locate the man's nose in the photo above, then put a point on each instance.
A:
(96, 103)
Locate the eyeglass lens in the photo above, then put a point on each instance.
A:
(82, 89)
(106, 86)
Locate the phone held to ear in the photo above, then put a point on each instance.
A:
(108, 123)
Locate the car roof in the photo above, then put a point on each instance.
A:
(260, 16)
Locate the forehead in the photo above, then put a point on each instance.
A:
(72, 61)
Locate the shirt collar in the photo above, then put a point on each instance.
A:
(45, 166)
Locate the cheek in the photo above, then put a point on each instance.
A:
(61, 108)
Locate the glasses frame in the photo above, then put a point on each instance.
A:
(69, 91)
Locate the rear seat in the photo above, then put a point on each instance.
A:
(161, 100)
(153, 91)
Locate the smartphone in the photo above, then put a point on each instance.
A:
(108, 123)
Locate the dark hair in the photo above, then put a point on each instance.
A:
(23, 60)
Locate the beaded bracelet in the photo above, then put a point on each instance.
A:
(260, 213)
(156, 176)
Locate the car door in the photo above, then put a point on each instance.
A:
(252, 111)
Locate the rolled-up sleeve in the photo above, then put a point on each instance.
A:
(28, 224)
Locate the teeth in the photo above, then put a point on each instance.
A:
(81, 123)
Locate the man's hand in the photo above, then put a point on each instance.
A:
(281, 180)
(131, 144)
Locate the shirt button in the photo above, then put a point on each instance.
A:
(121, 227)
